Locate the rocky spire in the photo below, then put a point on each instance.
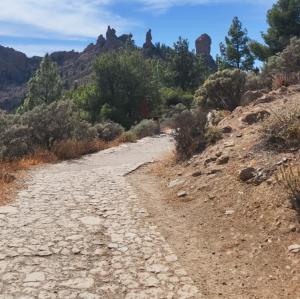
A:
(148, 44)
(203, 44)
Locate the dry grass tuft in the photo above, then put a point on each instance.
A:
(72, 149)
(282, 129)
(289, 177)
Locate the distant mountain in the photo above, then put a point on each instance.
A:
(16, 68)
(75, 67)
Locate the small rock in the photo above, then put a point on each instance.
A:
(219, 154)
(229, 144)
(282, 161)
(247, 174)
(227, 129)
(182, 194)
(197, 173)
(209, 160)
(239, 135)
(176, 182)
(214, 171)
(295, 248)
(229, 212)
(254, 117)
(223, 160)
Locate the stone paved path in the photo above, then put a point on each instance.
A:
(78, 231)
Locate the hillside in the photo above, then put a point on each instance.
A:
(237, 239)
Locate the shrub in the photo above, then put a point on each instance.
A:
(15, 142)
(257, 82)
(71, 149)
(109, 131)
(145, 128)
(212, 135)
(287, 61)
(222, 90)
(189, 133)
(289, 177)
(53, 123)
(282, 129)
(175, 96)
(128, 136)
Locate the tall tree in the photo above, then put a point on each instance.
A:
(284, 23)
(182, 64)
(126, 87)
(235, 53)
(45, 86)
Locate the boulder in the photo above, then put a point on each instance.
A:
(222, 160)
(254, 117)
(247, 174)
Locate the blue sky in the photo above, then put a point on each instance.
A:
(39, 26)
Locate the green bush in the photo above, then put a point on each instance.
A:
(285, 66)
(189, 135)
(175, 96)
(212, 135)
(53, 123)
(146, 128)
(222, 90)
(15, 142)
(109, 131)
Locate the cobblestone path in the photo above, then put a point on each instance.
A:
(78, 231)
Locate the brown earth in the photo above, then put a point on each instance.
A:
(231, 237)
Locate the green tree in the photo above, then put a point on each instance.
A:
(235, 53)
(126, 87)
(182, 65)
(44, 87)
(284, 23)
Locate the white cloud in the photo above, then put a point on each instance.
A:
(163, 5)
(68, 18)
(42, 49)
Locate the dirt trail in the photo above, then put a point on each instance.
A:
(79, 231)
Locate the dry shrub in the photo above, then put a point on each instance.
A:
(289, 177)
(72, 149)
(189, 133)
(282, 79)
(127, 137)
(282, 129)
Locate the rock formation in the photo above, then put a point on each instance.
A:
(203, 48)
(203, 44)
(148, 44)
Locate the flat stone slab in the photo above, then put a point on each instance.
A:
(90, 220)
(8, 210)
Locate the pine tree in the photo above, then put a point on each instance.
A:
(235, 53)
(284, 23)
(45, 86)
